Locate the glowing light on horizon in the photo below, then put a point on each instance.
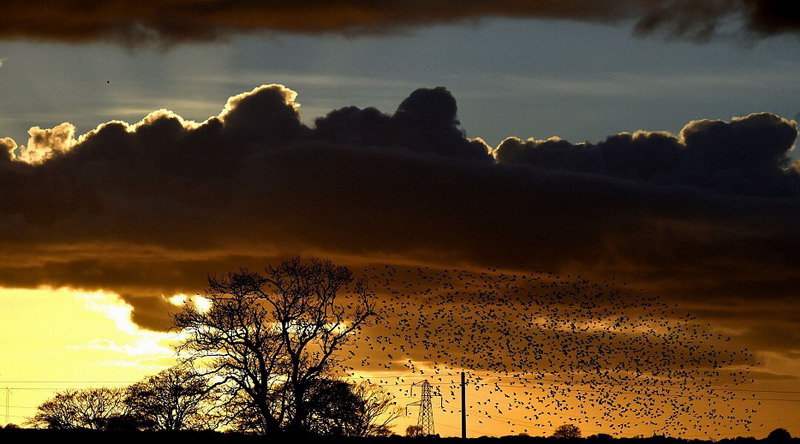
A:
(202, 304)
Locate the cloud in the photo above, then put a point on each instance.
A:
(45, 143)
(708, 218)
(748, 155)
(175, 21)
(703, 20)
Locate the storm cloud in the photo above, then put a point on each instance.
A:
(708, 217)
(747, 156)
(174, 21)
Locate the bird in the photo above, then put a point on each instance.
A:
(560, 346)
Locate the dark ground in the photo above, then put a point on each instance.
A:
(28, 436)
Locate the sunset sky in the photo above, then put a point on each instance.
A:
(648, 145)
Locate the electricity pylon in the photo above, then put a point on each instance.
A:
(425, 421)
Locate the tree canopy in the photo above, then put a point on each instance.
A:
(570, 431)
(269, 339)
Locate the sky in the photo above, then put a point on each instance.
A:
(650, 144)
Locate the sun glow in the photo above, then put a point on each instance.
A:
(58, 339)
(201, 303)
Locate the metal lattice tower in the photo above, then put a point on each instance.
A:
(425, 421)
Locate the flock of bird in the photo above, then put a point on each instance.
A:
(540, 350)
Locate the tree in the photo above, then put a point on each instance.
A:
(268, 338)
(414, 431)
(174, 399)
(601, 437)
(96, 409)
(333, 408)
(570, 431)
(358, 410)
(378, 410)
(779, 434)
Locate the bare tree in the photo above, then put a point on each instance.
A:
(174, 399)
(378, 410)
(338, 407)
(570, 431)
(268, 338)
(414, 431)
(96, 409)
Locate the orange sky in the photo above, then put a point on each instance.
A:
(96, 344)
(576, 149)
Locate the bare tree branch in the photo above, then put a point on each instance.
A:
(271, 337)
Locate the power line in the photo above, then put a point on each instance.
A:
(453, 381)
(43, 389)
(45, 381)
(542, 382)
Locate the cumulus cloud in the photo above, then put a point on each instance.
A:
(45, 143)
(709, 216)
(7, 148)
(179, 20)
(748, 155)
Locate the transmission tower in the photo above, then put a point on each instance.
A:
(425, 421)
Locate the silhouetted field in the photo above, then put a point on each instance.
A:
(92, 437)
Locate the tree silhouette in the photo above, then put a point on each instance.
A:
(570, 431)
(338, 407)
(174, 399)
(414, 431)
(268, 338)
(95, 409)
(779, 434)
(333, 409)
(377, 411)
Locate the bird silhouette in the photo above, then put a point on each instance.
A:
(549, 348)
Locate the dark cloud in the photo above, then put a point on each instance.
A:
(745, 156)
(425, 122)
(708, 217)
(703, 20)
(180, 20)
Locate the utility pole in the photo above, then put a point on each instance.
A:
(463, 407)
(8, 394)
(425, 420)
